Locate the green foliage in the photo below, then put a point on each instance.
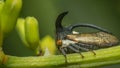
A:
(32, 32)
(28, 31)
(1, 35)
(48, 46)
(20, 27)
(9, 14)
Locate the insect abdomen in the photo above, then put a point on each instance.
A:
(100, 39)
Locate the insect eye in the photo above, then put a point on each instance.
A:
(59, 42)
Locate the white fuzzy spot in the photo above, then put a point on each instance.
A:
(46, 52)
(74, 32)
(66, 43)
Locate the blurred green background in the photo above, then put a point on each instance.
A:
(104, 13)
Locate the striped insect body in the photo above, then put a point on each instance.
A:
(98, 39)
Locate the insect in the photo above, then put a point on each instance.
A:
(67, 41)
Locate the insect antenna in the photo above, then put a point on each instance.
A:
(88, 25)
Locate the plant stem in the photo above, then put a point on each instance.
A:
(107, 56)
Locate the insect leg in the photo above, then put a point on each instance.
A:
(79, 47)
(75, 50)
(65, 49)
(82, 48)
(64, 53)
(85, 49)
(88, 25)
